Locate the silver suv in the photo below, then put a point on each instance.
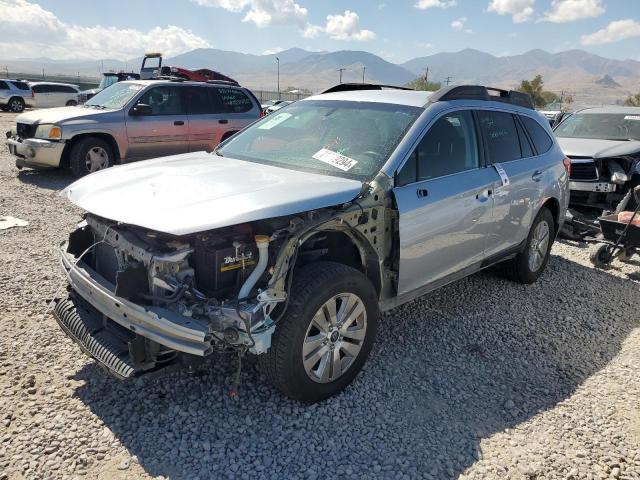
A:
(132, 120)
(15, 95)
(291, 237)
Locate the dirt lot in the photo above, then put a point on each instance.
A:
(482, 379)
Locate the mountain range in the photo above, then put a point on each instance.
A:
(589, 78)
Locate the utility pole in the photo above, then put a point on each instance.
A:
(426, 75)
(6, 70)
(43, 73)
(278, 64)
(341, 70)
(447, 81)
(364, 69)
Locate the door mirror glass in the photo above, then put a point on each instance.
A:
(141, 110)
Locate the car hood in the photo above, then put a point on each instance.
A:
(595, 148)
(194, 192)
(58, 115)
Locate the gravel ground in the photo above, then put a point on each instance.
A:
(482, 379)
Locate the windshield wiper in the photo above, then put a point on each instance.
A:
(217, 152)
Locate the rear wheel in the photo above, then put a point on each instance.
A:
(71, 103)
(529, 264)
(326, 334)
(16, 105)
(89, 155)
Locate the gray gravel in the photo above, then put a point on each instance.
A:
(482, 379)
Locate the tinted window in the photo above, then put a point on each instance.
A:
(38, 88)
(21, 85)
(166, 100)
(525, 144)
(62, 89)
(540, 137)
(203, 100)
(500, 136)
(450, 146)
(3, 85)
(234, 100)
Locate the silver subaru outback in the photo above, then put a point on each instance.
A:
(132, 120)
(289, 240)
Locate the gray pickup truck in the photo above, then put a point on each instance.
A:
(132, 120)
(290, 238)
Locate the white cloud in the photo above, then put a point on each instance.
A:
(231, 5)
(425, 4)
(276, 12)
(570, 10)
(312, 31)
(520, 10)
(459, 23)
(347, 27)
(614, 32)
(425, 45)
(28, 30)
(273, 51)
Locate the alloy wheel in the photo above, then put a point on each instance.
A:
(334, 337)
(539, 245)
(96, 159)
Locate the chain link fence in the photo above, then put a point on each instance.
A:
(266, 95)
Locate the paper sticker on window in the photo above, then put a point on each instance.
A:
(503, 174)
(335, 159)
(632, 117)
(277, 119)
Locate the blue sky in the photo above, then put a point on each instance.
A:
(397, 30)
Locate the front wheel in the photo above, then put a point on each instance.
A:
(16, 105)
(89, 155)
(529, 264)
(71, 103)
(326, 334)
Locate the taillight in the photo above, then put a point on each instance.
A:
(567, 165)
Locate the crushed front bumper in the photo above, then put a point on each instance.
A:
(598, 187)
(35, 152)
(92, 299)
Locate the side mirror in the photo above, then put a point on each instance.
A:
(140, 110)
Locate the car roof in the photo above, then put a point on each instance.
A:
(411, 98)
(612, 109)
(54, 83)
(180, 82)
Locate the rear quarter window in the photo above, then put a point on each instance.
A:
(234, 100)
(3, 85)
(541, 139)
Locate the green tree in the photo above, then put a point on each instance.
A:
(535, 89)
(421, 84)
(633, 100)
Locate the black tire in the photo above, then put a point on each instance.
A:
(71, 103)
(313, 286)
(227, 135)
(16, 105)
(600, 256)
(80, 151)
(519, 269)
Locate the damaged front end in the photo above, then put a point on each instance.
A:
(603, 181)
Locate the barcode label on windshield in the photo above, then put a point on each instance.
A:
(632, 117)
(335, 159)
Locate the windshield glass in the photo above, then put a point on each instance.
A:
(603, 126)
(107, 81)
(116, 96)
(340, 138)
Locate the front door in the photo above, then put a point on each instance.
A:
(444, 197)
(165, 131)
(207, 119)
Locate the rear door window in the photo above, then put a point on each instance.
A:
(234, 100)
(500, 136)
(203, 101)
(38, 88)
(3, 85)
(540, 137)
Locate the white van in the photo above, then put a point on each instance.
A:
(52, 94)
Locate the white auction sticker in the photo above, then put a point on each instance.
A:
(632, 117)
(335, 159)
(503, 175)
(276, 119)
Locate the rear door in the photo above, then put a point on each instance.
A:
(165, 131)
(42, 95)
(207, 119)
(239, 108)
(444, 196)
(516, 171)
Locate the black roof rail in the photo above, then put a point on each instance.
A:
(479, 92)
(348, 87)
(223, 82)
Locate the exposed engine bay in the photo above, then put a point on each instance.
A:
(165, 295)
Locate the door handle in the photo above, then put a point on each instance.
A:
(422, 192)
(537, 176)
(178, 122)
(223, 121)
